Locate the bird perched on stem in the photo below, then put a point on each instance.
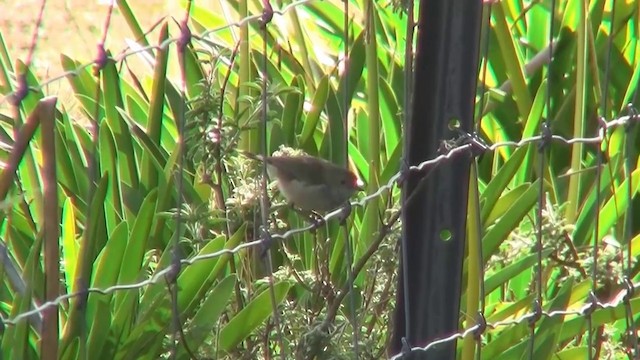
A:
(311, 183)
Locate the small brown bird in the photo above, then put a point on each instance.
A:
(311, 183)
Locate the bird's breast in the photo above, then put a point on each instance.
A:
(306, 196)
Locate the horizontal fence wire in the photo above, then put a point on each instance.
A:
(468, 143)
(480, 328)
(464, 143)
(23, 88)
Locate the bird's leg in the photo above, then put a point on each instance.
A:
(315, 218)
(345, 211)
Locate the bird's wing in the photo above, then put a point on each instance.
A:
(301, 168)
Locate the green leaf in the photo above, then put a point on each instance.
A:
(547, 331)
(317, 105)
(207, 317)
(390, 118)
(505, 225)
(99, 307)
(333, 145)
(84, 86)
(503, 276)
(353, 73)
(70, 247)
(132, 263)
(249, 318)
(505, 202)
(197, 279)
(532, 127)
(512, 59)
(112, 95)
(292, 112)
(108, 167)
(148, 171)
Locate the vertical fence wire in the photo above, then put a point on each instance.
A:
(177, 333)
(351, 287)
(592, 341)
(631, 337)
(596, 230)
(101, 61)
(485, 43)
(539, 287)
(404, 164)
(602, 130)
(630, 156)
(482, 101)
(542, 153)
(267, 15)
(349, 247)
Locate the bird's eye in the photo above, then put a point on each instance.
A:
(343, 182)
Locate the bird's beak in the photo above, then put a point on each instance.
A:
(360, 185)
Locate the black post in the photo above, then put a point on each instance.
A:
(434, 221)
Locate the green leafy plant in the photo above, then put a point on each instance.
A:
(131, 203)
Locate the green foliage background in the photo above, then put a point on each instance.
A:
(118, 164)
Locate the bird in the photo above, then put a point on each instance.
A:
(311, 183)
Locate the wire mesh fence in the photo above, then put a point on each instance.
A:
(464, 143)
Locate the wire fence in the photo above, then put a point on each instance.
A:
(465, 143)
